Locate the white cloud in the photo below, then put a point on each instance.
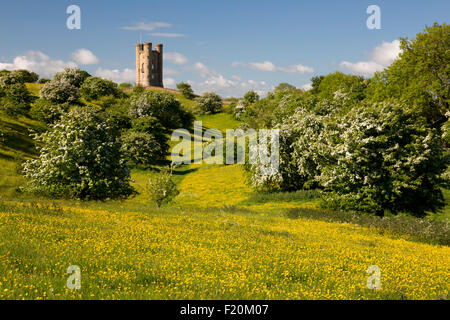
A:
(263, 66)
(167, 34)
(147, 26)
(175, 57)
(170, 71)
(203, 70)
(268, 66)
(169, 83)
(215, 81)
(306, 87)
(125, 75)
(85, 57)
(38, 62)
(381, 57)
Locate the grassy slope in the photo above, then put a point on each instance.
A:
(200, 246)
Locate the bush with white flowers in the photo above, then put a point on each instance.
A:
(79, 157)
(60, 91)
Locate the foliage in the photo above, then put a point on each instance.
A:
(375, 158)
(239, 109)
(186, 90)
(162, 188)
(60, 91)
(421, 76)
(285, 86)
(125, 85)
(386, 159)
(13, 108)
(14, 97)
(43, 80)
(209, 103)
(47, 111)
(94, 88)
(351, 85)
(25, 76)
(142, 147)
(73, 76)
(79, 157)
(160, 105)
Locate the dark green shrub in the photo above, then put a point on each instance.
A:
(186, 90)
(47, 111)
(94, 88)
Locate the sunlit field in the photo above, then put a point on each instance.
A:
(217, 239)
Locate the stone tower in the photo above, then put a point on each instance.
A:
(149, 65)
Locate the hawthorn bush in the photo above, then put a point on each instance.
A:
(209, 103)
(79, 157)
(160, 105)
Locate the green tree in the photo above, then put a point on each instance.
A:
(251, 97)
(162, 188)
(285, 86)
(94, 88)
(186, 90)
(161, 105)
(26, 76)
(209, 103)
(73, 76)
(420, 76)
(338, 82)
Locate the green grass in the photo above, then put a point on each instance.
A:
(220, 121)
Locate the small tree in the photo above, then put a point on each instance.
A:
(251, 97)
(47, 111)
(74, 76)
(79, 157)
(186, 90)
(160, 105)
(142, 148)
(26, 76)
(94, 87)
(209, 103)
(162, 188)
(60, 91)
(285, 86)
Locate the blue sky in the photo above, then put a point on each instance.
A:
(224, 46)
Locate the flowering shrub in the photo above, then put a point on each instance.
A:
(74, 76)
(239, 109)
(79, 157)
(386, 159)
(162, 188)
(209, 103)
(375, 158)
(60, 91)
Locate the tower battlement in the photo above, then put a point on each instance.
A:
(149, 65)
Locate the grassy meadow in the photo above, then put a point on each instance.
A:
(216, 240)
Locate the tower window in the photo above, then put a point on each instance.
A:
(142, 68)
